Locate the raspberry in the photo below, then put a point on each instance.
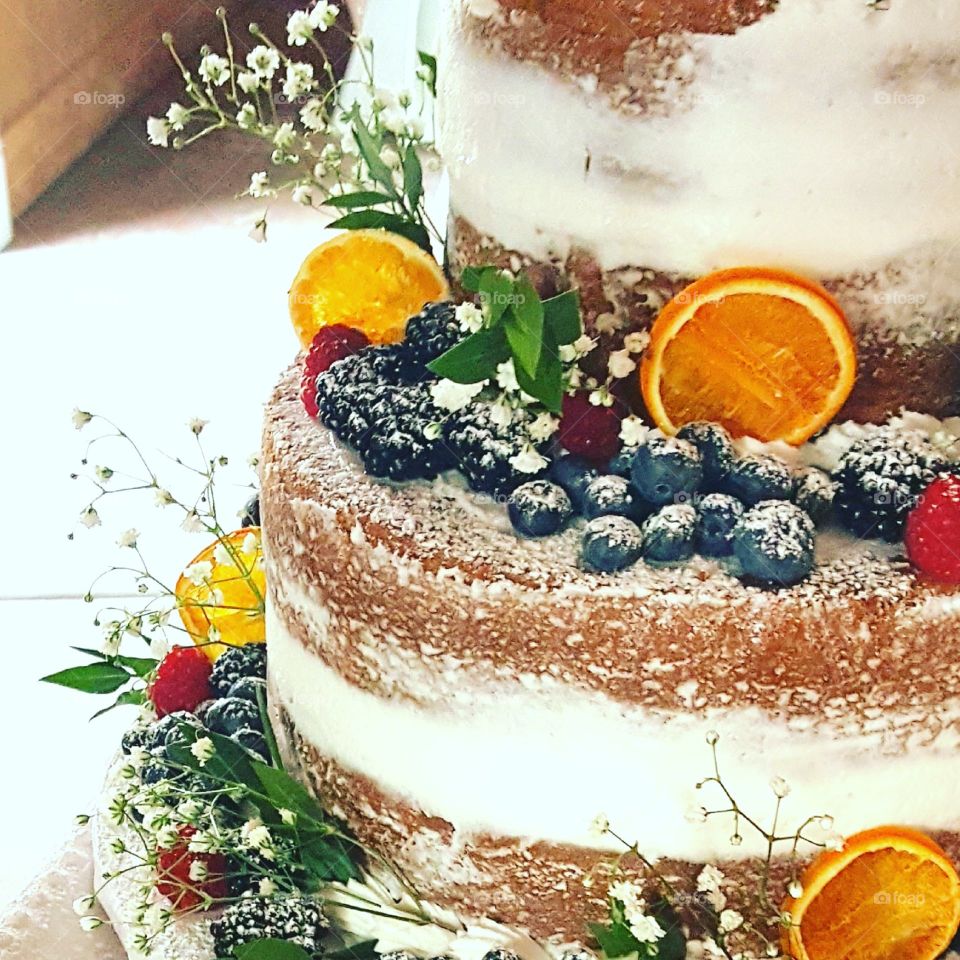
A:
(591, 432)
(932, 534)
(331, 344)
(173, 874)
(182, 681)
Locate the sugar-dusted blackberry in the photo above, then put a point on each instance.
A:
(814, 491)
(432, 332)
(395, 364)
(237, 662)
(500, 954)
(253, 741)
(398, 955)
(248, 688)
(490, 455)
(294, 919)
(156, 768)
(231, 714)
(135, 738)
(881, 478)
(168, 729)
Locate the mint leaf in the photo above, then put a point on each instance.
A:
(325, 856)
(270, 950)
(473, 359)
(369, 148)
(471, 277)
(365, 950)
(496, 294)
(362, 198)
(429, 61)
(379, 220)
(547, 385)
(412, 177)
(524, 326)
(286, 793)
(562, 317)
(615, 940)
(91, 678)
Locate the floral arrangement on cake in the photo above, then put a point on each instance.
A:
(651, 458)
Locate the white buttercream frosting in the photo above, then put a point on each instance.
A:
(824, 138)
(514, 761)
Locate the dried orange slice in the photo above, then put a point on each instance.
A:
(369, 279)
(220, 595)
(766, 353)
(890, 894)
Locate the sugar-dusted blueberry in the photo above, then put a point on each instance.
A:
(574, 475)
(609, 496)
(814, 491)
(539, 508)
(611, 543)
(668, 535)
(717, 515)
(231, 714)
(667, 470)
(759, 477)
(622, 463)
(715, 446)
(774, 542)
(168, 728)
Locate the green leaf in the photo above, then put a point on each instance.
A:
(90, 678)
(615, 940)
(129, 698)
(473, 359)
(524, 326)
(471, 277)
(230, 762)
(412, 177)
(270, 950)
(286, 793)
(365, 950)
(141, 666)
(496, 293)
(673, 946)
(562, 317)
(362, 198)
(325, 856)
(369, 147)
(429, 61)
(379, 220)
(547, 385)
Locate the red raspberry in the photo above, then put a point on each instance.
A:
(182, 681)
(173, 874)
(331, 344)
(932, 535)
(592, 432)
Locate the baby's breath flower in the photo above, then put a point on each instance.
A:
(247, 117)
(469, 316)
(163, 498)
(364, 41)
(312, 117)
(507, 376)
(214, 69)
(633, 431)
(196, 425)
(599, 826)
(198, 871)
(390, 157)
(221, 554)
(202, 842)
(636, 342)
(248, 81)
(415, 129)
(780, 787)
(90, 518)
(287, 816)
(103, 474)
(529, 460)
(542, 427)
(203, 749)
(620, 364)
(158, 133)
(501, 413)
(198, 573)
(213, 634)
(302, 194)
(285, 137)
(177, 115)
(266, 887)
(299, 28)
(83, 905)
(601, 397)
(425, 74)
(795, 889)
(259, 185)
(730, 920)
(80, 418)
(128, 538)
(263, 61)
(249, 546)
(323, 15)
(299, 80)
(90, 923)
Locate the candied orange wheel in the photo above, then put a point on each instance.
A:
(764, 352)
(890, 894)
(224, 588)
(369, 279)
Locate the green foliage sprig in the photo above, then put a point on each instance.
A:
(517, 325)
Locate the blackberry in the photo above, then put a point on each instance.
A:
(295, 919)
(399, 955)
(668, 534)
(759, 477)
(250, 514)
(134, 738)
(484, 450)
(231, 714)
(155, 768)
(774, 543)
(880, 479)
(395, 364)
(167, 729)
(814, 491)
(253, 742)
(248, 688)
(235, 663)
(539, 508)
(500, 954)
(432, 332)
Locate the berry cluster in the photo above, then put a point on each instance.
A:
(294, 919)
(672, 497)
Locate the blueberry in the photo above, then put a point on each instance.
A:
(231, 714)
(574, 475)
(539, 508)
(611, 543)
(167, 729)
(668, 535)
(715, 446)
(253, 742)
(622, 463)
(774, 542)
(247, 688)
(667, 469)
(717, 515)
(250, 514)
(759, 477)
(612, 496)
(814, 491)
